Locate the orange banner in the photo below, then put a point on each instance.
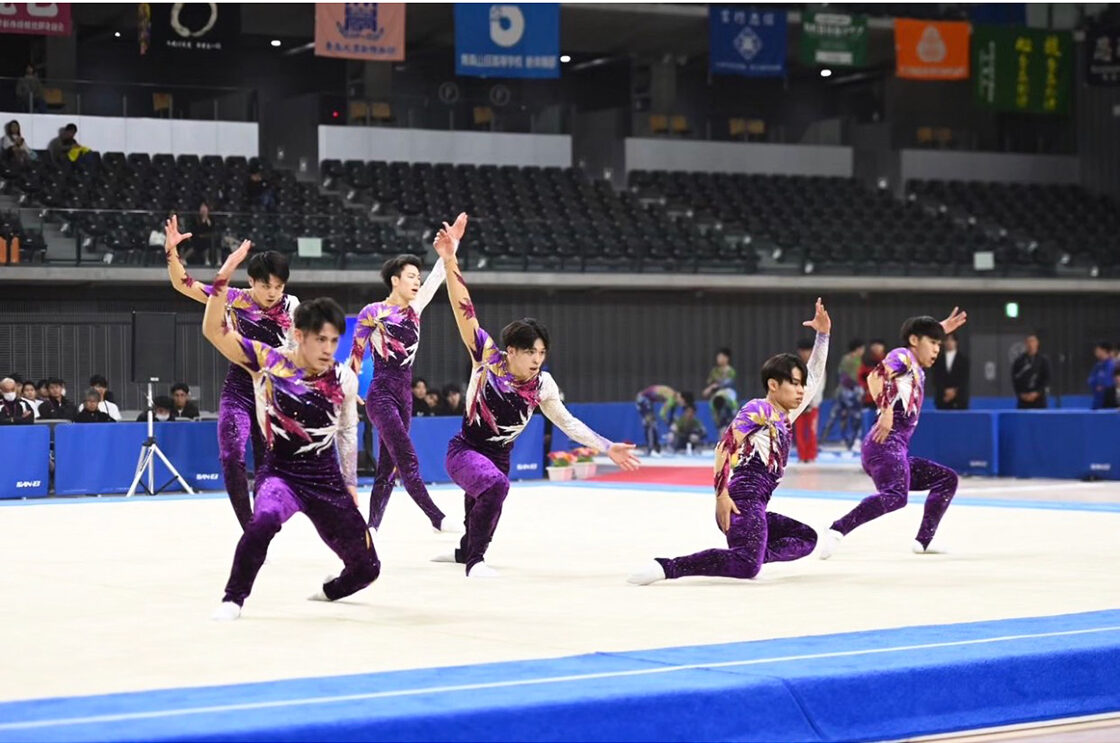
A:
(370, 31)
(931, 50)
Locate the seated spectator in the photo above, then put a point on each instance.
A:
(101, 384)
(452, 401)
(13, 147)
(91, 411)
(13, 410)
(1112, 395)
(29, 91)
(161, 409)
(57, 407)
(687, 429)
(65, 148)
(259, 191)
(419, 397)
(183, 408)
(41, 387)
(203, 245)
(434, 401)
(31, 396)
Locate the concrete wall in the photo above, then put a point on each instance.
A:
(434, 146)
(737, 157)
(989, 166)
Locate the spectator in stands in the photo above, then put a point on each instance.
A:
(1112, 394)
(42, 388)
(184, 408)
(805, 427)
(29, 91)
(419, 397)
(13, 410)
(434, 400)
(259, 191)
(57, 406)
(161, 409)
(204, 240)
(849, 395)
(950, 375)
(452, 400)
(91, 411)
(876, 352)
(101, 384)
(687, 430)
(14, 147)
(65, 147)
(1100, 379)
(1030, 375)
(31, 396)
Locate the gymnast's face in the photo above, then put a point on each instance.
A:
(266, 293)
(526, 363)
(788, 393)
(408, 283)
(317, 347)
(926, 349)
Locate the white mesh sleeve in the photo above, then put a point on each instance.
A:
(556, 412)
(347, 438)
(817, 362)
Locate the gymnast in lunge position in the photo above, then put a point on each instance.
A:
(263, 313)
(392, 331)
(306, 407)
(750, 461)
(897, 386)
(506, 386)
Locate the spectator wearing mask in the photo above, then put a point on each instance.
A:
(91, 411)
(107, 406)
(57, 407)
(687, 430)
(1100, 379)
(29, 92)
(876, 352)
(183, 408)
(31, 396)
(452, 400)
(950, 375)
(13, 410)
(14, 146)
(420, 397)
(1030, 375)
(161, 409)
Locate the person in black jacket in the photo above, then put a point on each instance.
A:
(57, 406)
(950, 377)
(184, 409)
(91, 412)
(1030, 374)
(13, 409)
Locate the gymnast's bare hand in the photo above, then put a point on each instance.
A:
(956, 318)
(234, 260)
(173, 236)
(623, 456)
(883, 426)
(353, 490)
(724, 508)
(821, 322)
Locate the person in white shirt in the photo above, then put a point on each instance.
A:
(101, 384)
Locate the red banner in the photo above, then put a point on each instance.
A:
(40, 19)
(931, 50)
(370, 31)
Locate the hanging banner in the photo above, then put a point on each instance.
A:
(746, 41)
(994, 14)
(39, 19)
(1023, 69)
(370, 31)
(833, 39)
(931, 50)
(194, 27)
(1103, 55)
(507, 40)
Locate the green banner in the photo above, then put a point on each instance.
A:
(834, 39)
(1022, 69)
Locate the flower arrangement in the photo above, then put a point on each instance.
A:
(584, 454)
(561, 459)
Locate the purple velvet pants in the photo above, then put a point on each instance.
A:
(320, 494)
(389, 407)
(485, 480)
(895, 474)
(237, 423)
(756, 536)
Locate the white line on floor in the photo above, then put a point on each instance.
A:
(95, 719)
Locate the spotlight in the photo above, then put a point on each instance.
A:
(826, 73)
(565, 59)
(117, 34)
(275, 42)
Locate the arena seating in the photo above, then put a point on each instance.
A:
(1044, 225)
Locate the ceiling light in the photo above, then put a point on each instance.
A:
(826, 73)
(117, 34)
(276, 42)
(565, 59)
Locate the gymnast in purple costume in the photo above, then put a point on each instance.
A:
(264, 314)
(391, 329)
(306, 407)
(750, 461)
(897, 385)
(505, 388)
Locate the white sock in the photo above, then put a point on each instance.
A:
(828, 544)
(650, 573)
(227, 611)
(447, 527)
(482, 570)
(445, 557)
